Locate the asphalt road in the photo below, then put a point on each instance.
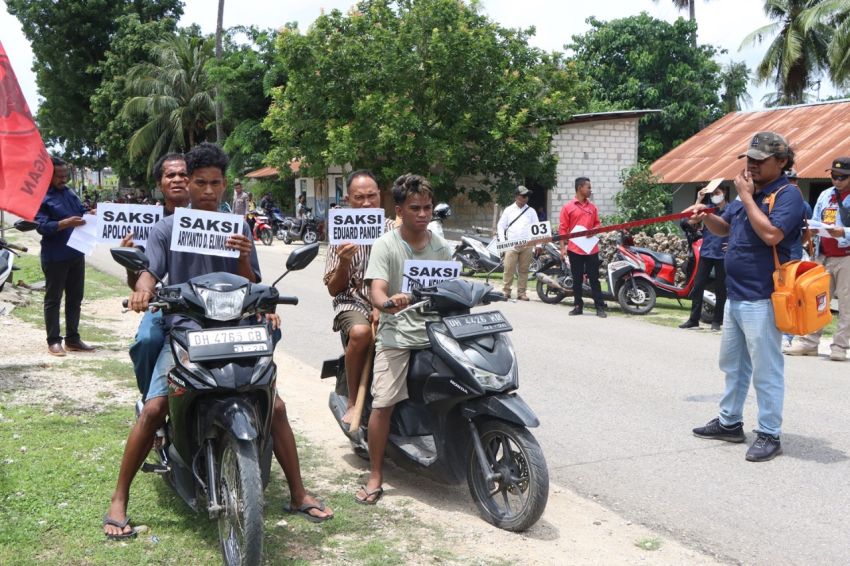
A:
(617, 399)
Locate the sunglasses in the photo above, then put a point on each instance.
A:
(839, 177)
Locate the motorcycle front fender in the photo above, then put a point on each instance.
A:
(236, 418)
(507, 407)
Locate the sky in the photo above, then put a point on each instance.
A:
(722, 23)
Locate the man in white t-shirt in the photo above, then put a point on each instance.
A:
(515, 223)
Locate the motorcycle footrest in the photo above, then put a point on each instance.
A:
(149, 468)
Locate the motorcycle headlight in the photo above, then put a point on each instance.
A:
(222, 305)
(182, 357)
(486, 379)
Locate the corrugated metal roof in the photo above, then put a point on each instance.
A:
(817, 133)
(262, 172)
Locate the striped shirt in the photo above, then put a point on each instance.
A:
(355, 297)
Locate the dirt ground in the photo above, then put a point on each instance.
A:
(573, 530)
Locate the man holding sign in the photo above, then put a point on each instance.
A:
(578, 215)
(515, 223)
(344, 271)
(397, 335)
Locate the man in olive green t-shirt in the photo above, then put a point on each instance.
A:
(413, 198)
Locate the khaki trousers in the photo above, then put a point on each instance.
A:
(517, 261)
(839, 288)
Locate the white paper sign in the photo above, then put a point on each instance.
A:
(114, 221)
(428, 272)
(355, 225)
(538, 231)
(203, 232)
(84, 238)
(586, 243)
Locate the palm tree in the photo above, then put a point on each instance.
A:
(735, 77)
(174, 95)
(219, 131)
(689, 4)
(799, 52)
(836, 14)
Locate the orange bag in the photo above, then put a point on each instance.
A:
(801, 294)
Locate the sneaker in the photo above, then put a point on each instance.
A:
(717, 326)
(801, 350)
(522, 297)
(575, 311)
(601, 313)
(689, 324)
(837, 354)
(766, 447)
(713, 429)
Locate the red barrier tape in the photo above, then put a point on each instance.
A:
(627, 225)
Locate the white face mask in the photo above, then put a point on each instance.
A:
(716, 199)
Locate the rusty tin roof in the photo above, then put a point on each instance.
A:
(816, 132)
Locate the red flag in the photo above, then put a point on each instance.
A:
(25, 166)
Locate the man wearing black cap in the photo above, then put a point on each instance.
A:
(750, 347)
(833, 208)
(514, 224)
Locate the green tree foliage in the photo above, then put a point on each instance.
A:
(643, 196)
(69, 40)
(640, 62)
(427, 86)
(798, 53)
(174, 96)
(132, 44)
(836, 15)
(735, 77)
(245, 76)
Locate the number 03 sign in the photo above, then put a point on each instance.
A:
(538, 231)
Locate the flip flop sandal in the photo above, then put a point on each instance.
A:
(377, 494)
(123, 536)
(305, 509)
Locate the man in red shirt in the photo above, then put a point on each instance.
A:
(581, 212)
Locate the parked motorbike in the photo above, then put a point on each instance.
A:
(555, 278)
(217, 447)
(278, 222)
(8, 252)
(475, 257)
(440, 214)
(463, 419)
(305, 229)
(262, 231)
(640, 275)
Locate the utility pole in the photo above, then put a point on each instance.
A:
(219, 132)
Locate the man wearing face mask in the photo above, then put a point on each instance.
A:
(833, 208)
(711, 257)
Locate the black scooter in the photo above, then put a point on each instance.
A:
(305, 229)
(217, 447)
(463, 419)
(8, 252)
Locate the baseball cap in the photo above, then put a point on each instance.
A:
(764, 145)
(841, 165)
(520, 190)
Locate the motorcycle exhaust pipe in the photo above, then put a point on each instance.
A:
(551, 281)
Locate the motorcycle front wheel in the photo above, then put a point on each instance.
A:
(310, 237)
(516, 500)
(266, 236)
(240, 522)
(549, 294)
(636, 296)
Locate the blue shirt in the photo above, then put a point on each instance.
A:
(712, 244)
(749, 261)
(58, 205)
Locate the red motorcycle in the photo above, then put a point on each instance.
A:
(262, 230)
(640, 275)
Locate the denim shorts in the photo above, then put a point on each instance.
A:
(159, 379)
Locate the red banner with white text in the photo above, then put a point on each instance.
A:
(25, 166)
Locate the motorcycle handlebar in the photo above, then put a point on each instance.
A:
(287, 300)
(14, 247)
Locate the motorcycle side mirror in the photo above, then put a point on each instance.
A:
(25, 225)
(299, 259)
(132, 259)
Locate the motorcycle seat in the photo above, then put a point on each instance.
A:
(481, 239)
(659, 257)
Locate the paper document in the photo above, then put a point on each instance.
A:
(820, 229)
(84, 238)
(586, 243)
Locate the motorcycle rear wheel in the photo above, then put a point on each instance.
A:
(240, 522)
(310, 237)
(518, 498)
(266, 236)
(637, 300)
(468, 261)
(287, 240)
(548, 294)
(706, 315)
